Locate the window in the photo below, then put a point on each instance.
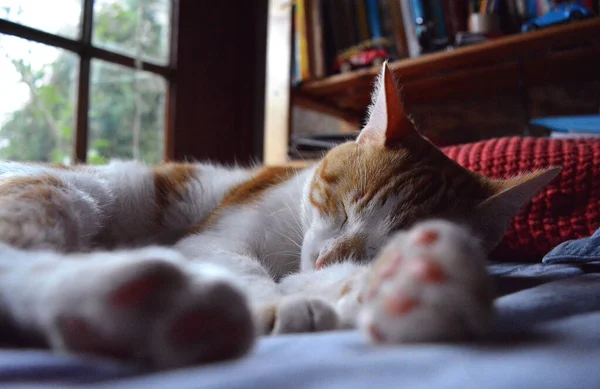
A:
(85, 80)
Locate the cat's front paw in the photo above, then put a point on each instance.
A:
(148, 308)
(428, 284)
(296, 314)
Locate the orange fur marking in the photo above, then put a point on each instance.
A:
(170, 183)
(248, 191)
(345, 290)
(42, 189)
(14, 185)
(425, 182)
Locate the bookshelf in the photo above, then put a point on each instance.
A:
(512, 63)
(551, 49)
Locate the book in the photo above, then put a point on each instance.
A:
(456, 16)
(329, 38)
(374, 19)
(439, 23)
(340, 35)
(414, 49)
(361, 20)
(394, 23)
(301, 50)
(315, 39)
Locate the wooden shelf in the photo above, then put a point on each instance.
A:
(503, 64)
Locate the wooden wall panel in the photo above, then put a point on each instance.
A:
(220, 80)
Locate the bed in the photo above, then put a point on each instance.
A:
(547, 336)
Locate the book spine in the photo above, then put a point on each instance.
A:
(329, 39)
(414, 49)
(315, 34)
(456, 14)
(398, 30)
(374, 19)
(349, 26)
(342, 30)
(302, 40)
(589, 4)
(295, 71)
(361, 20)
(438, 19)
(532, 9)
(543, 6)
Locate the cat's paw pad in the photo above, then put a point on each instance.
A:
(296, 314)
(212, 322)
(151, 310)
(428, 284)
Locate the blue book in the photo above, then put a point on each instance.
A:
(438, 17)
(374, 19)
(418, 13)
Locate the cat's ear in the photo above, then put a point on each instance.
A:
(388, 122)
(491, 217)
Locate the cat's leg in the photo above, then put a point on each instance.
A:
(274, 311)
(429, 283)
(40, 210)
(338, 286)
(144, 305)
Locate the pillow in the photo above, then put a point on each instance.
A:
(568, 208)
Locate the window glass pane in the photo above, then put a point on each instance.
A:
(61, 17)
(127, 114)
(37, 100)
(139, 28)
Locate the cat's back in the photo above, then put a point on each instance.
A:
(141, 204)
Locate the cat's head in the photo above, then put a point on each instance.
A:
(390, 177)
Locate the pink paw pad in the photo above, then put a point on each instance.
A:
(148, 281)
(386, 271)
(399, 305)
(81, 336)
(136, 291)
(376, 335)
(391, 268)
(427, 237)
(194, 326)
(427, 271)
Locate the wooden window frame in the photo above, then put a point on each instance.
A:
(86, 51)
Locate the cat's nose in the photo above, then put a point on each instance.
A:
(347, 249)
(323, 260)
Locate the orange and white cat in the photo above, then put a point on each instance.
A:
(386, 234)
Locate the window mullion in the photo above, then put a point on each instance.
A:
(83, 87)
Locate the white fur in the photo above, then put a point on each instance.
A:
(257, 250)
(252, 272)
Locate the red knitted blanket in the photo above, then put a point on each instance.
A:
(568, 208)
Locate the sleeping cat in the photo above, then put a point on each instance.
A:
(386, 234)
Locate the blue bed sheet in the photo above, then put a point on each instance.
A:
(547, 336)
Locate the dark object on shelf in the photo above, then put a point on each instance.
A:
(469, 38)
(314, 146)
(558, 14)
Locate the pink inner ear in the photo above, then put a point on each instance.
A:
(398, 123)
(369, 137)
(388, 123)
